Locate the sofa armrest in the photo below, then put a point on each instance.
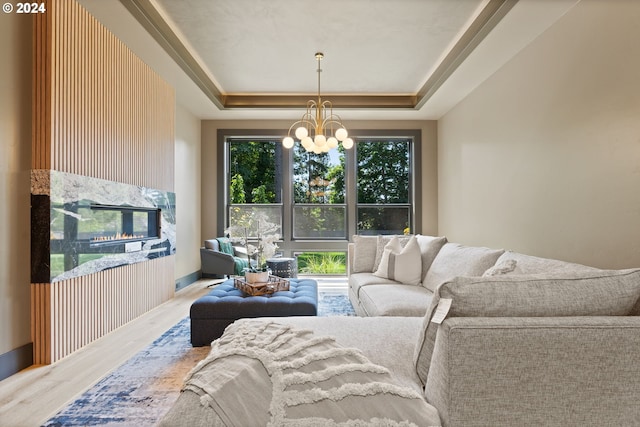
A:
(350, 251)
(536, 371)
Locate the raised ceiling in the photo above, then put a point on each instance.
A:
(394, 59)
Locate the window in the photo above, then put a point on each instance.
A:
(383, 185)
(320, 200)
(255, 181)
(319, 209)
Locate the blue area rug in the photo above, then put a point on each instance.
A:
(141, 391)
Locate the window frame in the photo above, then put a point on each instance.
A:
(289, 245)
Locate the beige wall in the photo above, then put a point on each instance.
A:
(187, 188)
(544, 157)
(15, 166)
(210, 197)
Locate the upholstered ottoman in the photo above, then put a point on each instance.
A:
(212, 313)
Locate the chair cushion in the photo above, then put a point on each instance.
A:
(212, 244)
(601, 293)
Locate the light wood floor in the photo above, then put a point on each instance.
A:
(32, 396)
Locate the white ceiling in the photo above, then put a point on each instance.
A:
(370, 46)
(265, 49)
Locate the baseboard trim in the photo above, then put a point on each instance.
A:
(16, 360)
(185, 281)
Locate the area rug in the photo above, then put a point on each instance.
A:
(141, 391)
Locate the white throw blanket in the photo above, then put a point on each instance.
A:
(264, 373)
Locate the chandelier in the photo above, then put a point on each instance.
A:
(319, 130)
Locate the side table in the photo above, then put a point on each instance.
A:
(283, 267)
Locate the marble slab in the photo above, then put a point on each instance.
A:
(68, 216)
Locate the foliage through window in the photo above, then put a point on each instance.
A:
(383, 185)
(319, 200)
(255, 181)
(255, 171)
(319, 203)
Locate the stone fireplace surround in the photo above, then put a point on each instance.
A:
(63, 246)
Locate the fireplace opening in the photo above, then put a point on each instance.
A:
(87, 232)
(120, 223)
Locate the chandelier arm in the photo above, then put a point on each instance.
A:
(306, 120)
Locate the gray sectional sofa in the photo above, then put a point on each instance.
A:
(473, 337)
(373, 295)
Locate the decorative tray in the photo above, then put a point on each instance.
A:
(274, 284)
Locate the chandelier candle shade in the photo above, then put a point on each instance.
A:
(319, 130)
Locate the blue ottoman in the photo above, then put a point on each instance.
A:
(212, 313)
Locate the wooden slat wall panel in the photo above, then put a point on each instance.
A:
(69, 315)
(41, 133)
(112, 117)
(99, 111)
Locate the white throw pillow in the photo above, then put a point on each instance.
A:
(403, 265)
(382, 241)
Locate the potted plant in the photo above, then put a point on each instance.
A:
(264, 248)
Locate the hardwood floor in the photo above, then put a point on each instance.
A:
(32, 396)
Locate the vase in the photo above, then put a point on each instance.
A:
(259, 277)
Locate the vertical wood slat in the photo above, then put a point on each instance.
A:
(99, 111)
(106, 100)
(70, 314)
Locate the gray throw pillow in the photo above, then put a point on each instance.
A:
(364, 253)
(429, 248)
(459, 260)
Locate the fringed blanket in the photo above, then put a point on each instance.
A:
(266, 374)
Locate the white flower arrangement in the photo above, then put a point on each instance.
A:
(266, 239)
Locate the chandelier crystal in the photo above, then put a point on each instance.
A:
(319, 130)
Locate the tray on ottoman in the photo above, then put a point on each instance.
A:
(274, 284)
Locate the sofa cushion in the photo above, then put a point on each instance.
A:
(528, 264)
(395, 300)
(429, 248)
(600, 293)
(401, 264)
(358, 281)
(364, 253)
(458, 260)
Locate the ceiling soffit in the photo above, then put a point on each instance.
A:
(148, 16)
